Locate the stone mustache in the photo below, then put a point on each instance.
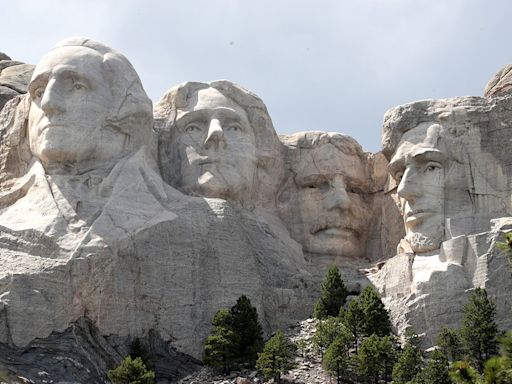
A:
(146, 219)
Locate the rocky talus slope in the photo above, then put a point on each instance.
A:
(308, 371)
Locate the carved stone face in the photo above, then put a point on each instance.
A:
(331, 192)
(418, 165)
(217, 147)
(70, 100)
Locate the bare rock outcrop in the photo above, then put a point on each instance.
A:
(14, 78)
(451, 178)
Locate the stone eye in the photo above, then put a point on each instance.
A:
(398, 176)
(79, 86)
(192, 128)
(234, 128)
(432, 167)
(355, 190)
(39, 93)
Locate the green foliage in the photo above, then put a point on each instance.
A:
(131, 372)
(302, 346)
(408, 364)
(436, 371)
(336, 358)
(353, 318)
(236, 337)
(327, 331)
(505, 342)
(221, 347)
(498, 370)
(479, 330)
(375, 358)
(462, 372)
(332, 297)
(137, 349)
(245, 324)
(507, 245)
(450, 343)
(277, 357)
(375, 318)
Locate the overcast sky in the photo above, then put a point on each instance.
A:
(318, 65)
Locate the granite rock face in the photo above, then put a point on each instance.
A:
(118, 220)
(501, 83)
(91, 230)
(14, 78)
(450, 175)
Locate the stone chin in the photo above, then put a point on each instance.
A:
(212, 185)
(61, 149)
(421, 243)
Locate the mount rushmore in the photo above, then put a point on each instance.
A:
(131, 220)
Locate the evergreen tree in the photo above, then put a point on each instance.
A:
(221, 347)
(479, 330)
(375, 318)
(137, 349)
(449, 342)
(498, 370)
(436, 371)
(408, 364)
(462, 372)
(327, 331)
(353, 318)
(277, 357)
(332, 297)
(131, 372)
(336, 358)
(245, 324)
(505, 343)
(375, 358)
(506, 245)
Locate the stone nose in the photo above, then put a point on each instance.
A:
(215, 135)
(338, 197)
(52, 100)
(409, 188)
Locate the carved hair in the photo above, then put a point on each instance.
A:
(447, 112)
(313, 139)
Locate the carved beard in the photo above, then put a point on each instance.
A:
(421, 243)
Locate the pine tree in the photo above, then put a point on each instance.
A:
(327, 331)
(498, 369)
(137, 349)
(336, 358)
(277, 357)
(246, 325)
(131, 372)
(436, 371)
(375, 358)
(505, 343)
(408, 364)
(332, 297)
(479, 330)
(375, 318)
(221, 347)
(353, 318)
(461, 372)
(506, 245)
(449, 342)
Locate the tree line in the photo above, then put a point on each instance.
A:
(356, 344)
